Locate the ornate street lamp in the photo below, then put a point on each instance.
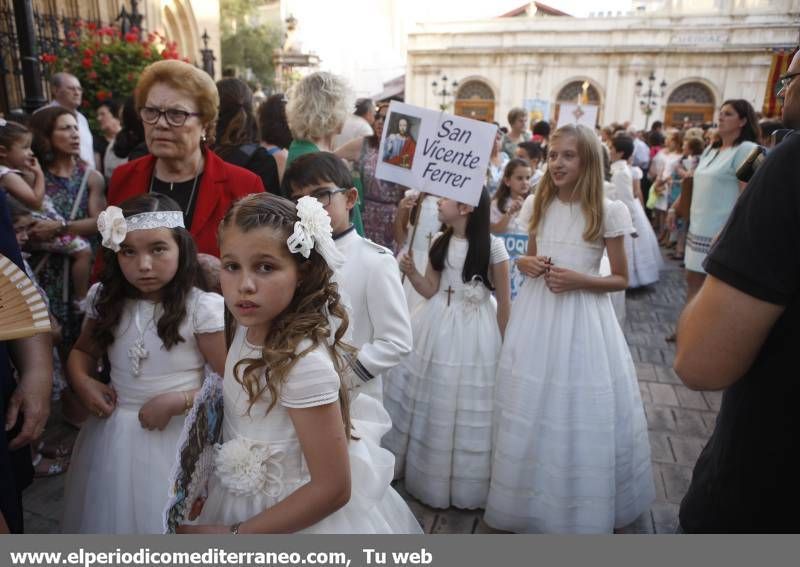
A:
(444, 93)
(207, 55)
(649, 98)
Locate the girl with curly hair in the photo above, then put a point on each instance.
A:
(291, 451)
(158, 331)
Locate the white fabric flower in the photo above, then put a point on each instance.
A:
(113, 227)
(246, 466)
(314, 225)
(475, 292)
(313, 230)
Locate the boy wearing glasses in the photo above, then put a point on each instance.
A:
(370, 276)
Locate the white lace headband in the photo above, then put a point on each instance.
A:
(113, 225)
(313, 231)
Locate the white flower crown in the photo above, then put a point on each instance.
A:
(313, 231)
(114, 227)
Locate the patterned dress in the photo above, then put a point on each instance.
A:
(380, 200)
(62, 192)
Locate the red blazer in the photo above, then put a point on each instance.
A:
(222, 184)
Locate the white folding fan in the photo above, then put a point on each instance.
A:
(23, 312)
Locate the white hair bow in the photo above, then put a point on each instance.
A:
(313, 231)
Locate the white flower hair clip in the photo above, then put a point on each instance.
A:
(313, 231)
(114, 227)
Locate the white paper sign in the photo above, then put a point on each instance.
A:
(435, 152)
(575, 114)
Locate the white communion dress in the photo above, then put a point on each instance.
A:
(641, 250)
(440, 396)
(260, 461)
(571, 450)
(118, 480)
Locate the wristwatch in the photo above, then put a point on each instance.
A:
(235, 528)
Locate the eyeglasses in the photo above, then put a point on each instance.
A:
(323, 195)
(173, 116)
(783, 83)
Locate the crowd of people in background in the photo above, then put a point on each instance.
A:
(440, 336)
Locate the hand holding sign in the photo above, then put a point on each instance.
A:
(407, 263)
(434, 152)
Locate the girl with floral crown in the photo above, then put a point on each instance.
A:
(292, 459)
(158, 331)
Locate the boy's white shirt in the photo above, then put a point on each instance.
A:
(370, 280)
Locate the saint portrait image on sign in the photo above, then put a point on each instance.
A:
(401, 140)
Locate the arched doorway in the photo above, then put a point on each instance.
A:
(690, 104)
(579, 91)
(475, 99)
(181, 27)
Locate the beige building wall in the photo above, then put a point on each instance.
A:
(727, 50)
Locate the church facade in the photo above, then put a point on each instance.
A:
(689, 57)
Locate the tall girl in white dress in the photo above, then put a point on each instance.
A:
(641, 248)
(158, 331)
(292, 460)
(440, 396)
(571, 452)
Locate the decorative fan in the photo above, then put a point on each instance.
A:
(202, 430)
(23, 312)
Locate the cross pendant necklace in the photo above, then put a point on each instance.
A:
(449, 291)
(172, 186)
(137, 352)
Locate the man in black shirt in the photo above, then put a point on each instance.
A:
(742, 333)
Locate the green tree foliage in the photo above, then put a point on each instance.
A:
(246, 46)
(252, 48)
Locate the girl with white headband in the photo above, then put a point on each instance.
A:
(158, 331)
(292, 459)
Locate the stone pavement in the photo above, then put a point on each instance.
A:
(679, 421)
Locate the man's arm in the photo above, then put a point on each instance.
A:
(720, 333)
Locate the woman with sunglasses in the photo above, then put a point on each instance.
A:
(178, 105)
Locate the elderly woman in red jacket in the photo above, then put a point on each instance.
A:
(178, 105)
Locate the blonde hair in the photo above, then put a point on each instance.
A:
(184, 78)
(693, 133)
(305, 318)
(589, 185)
(318, 106)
